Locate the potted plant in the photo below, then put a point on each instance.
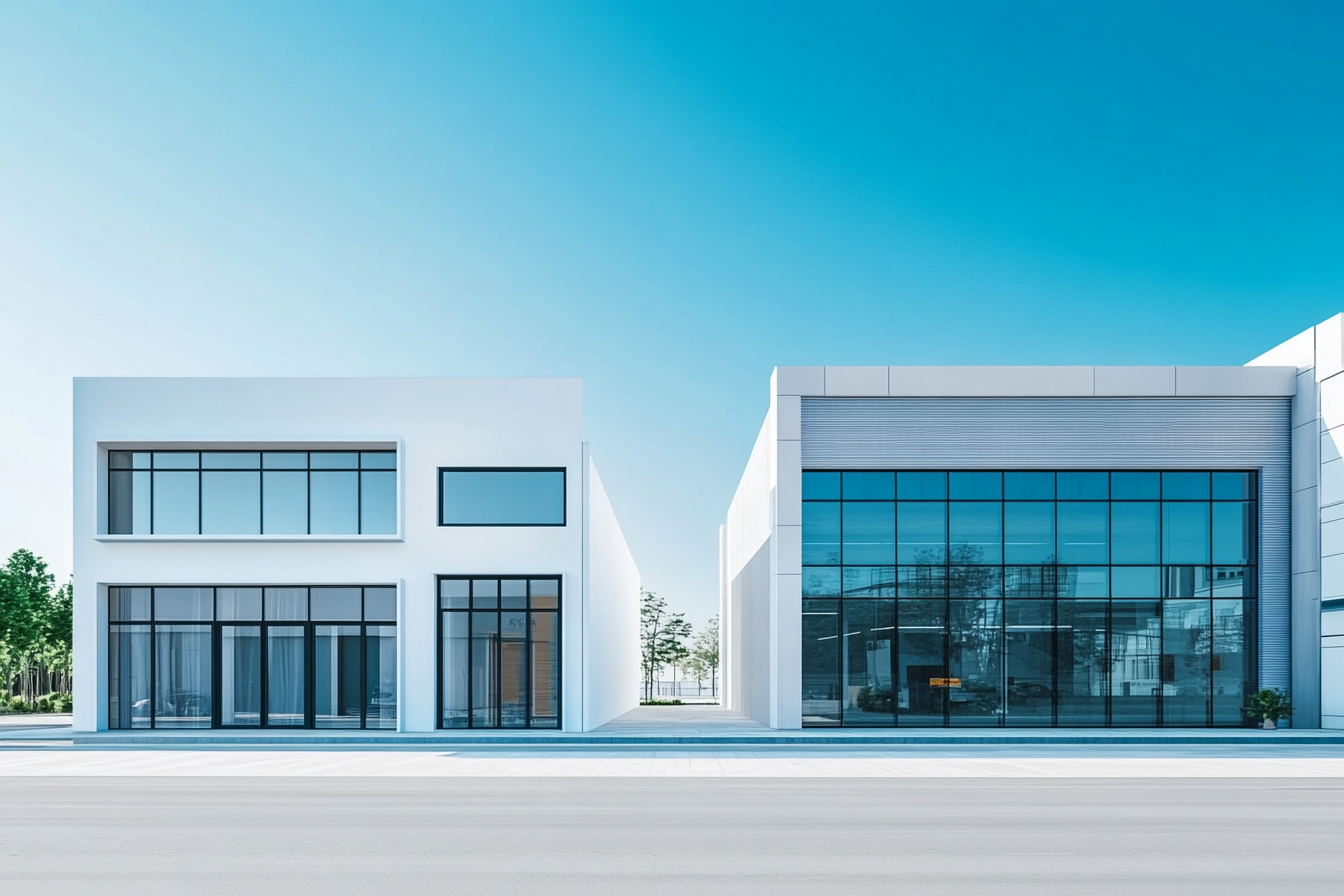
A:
(1270, 705)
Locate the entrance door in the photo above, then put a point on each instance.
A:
(240, 675)
(286, 705)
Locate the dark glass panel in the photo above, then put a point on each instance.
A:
(378, 460)
(128, 684)
(1136, 581)
(1082, 486)
(513, 594)
(184, 604)
(1135, 533)
(1030, 581)
(119, 460)
(176, 460)
(821, 533)
(1084, 581)
(921, 532)
(333, 460)
(380, 676)
(1081, 684)
(1135, 487)
(1233, 486)
(1029, 486)
(230, 503)
(1234, 532)
(286, 603)
(128, 502)
(869, 581)
(1185, 486)
(240, 674)
(284, 460)
(866, 661)
(230, 460)
(1084, 532)
(454, 594)
(333, 503)
(921, 655)
(484, 593)
(286, 705)
(177, 503)
(380, 604)
(1185, 532)
(1187, 644)
(1028, 532)
(128, 604)
(1234, 581)
(545, 593)
(974, 581)
(921, 486)
(921, 581)
(975, 656)
(484, 662)
(513, 711)
(1186, 581)
(869, 530)
(1136, 662)
(238, 603)
(335, 604)
(1029, 662)
(182, 677)
(338, 696)
(975, 486)
(1232, 675)
(975, 532)
(821, 663)
(545, 670)
(455, 684)
(821, 486)
(378, 503)
(868, 486)
(821, 581)
(284, 503)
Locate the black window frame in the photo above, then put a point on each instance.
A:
(564, 502)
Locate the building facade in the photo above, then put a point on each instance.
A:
(1041, 546)
(400, 554)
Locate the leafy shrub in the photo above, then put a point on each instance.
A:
(63, 703)
(874, 699)
(16, 704)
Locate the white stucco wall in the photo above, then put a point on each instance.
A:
(610, 612)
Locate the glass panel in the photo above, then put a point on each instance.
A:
(821, 533)
(921, 695)
(513, 670)
(334, 604)
(975, 656)
(1030, 581)
(284, 460)
(240, 673)
(337, 694)
(1185, 533)
(472, 497)
(1186, 581)
(870, 581)
(485, 593)
(821, 663)
(1186, 653)
(1135, 487)
(380, 676)
(869, 486)
(119, 460)
(503, 497)
(1234, 581)
(286, 603)
(921, 486)
(184, 604)
(821, 486)
(238, 603)
(1029, 661)
(284, 504)
(378, 460)
(484, 662)
(176, 460)
(454, 671)
(378, 503)
(1233, 486)
(1136, 661)
(1082, 486)
(975, 531)
(974, 581)
(334, 503)
(182, 676)
(1083, 581)
(1028, 532)
(1134, 533)
(285, 704)
(1233, 533)
(128, 701)
(1084, 533)
(1185, 486)
(1136, 581)
(230, 460)
(921, 581)
(1233, 679)
(1029, 486)
(454, 594)
(869, 533)
(333, 460)
(177, 503)
(1081, 684)
(128, 502)
(866, 657)
(127, 604)
(513, 594)
(534, 497)
(975, 486)
(545, 593)
(380, 604)
(921, 533)
(545, 670)
(821, 581)
(230, 503)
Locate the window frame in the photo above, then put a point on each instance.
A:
(564, 497)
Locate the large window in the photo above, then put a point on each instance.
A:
(499, 652)
(1030, 598)
(501, 497)
(252, 493)
(284, 657)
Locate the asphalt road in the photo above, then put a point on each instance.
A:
(637, 836)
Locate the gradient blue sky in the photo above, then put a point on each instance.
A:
(664, 199)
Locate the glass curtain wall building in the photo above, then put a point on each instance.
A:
(989, 598)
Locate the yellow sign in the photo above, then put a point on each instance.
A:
(944, 682)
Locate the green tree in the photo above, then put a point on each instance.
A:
(662, 637)
(35, 629)
(705, 653)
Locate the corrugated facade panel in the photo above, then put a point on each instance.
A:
(1082, 433)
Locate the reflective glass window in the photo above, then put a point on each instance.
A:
(821, 486)
(1185, 486)
(333, 460)
(869, 532)
(378, 503)
(380, 604)
(184, 604)
(378, 460)
(334, 604)
(333, 503)
(230, 503)
(868, 486)
(284, 503)
(1084, 532)
(975, 532)
(921, 486)
(1082, 486)
(821, 533)
(975, 486)
(1028, 532)
(1185, 532)
(1233, 486)
(1029, 486)
(821, 662)
(502, 497)
(177, 503)
(921, 532)
(869, 581)
(1135, 486)
(1135, 533)
(1233, 532)
(238, 603)
(821, 581)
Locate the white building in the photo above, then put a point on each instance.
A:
(409, 554)
(1072, 546)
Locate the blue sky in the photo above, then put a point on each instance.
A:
(664, 199)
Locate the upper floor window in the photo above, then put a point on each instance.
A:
(483, 496)
(252, 492)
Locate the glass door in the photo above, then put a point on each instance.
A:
(286, 703)
(240, 675)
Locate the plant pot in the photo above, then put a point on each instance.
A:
(1270, 724)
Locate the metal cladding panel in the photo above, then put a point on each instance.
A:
(1082, 433)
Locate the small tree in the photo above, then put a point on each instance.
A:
(1269, 704)
(706, 653)
(662, 637)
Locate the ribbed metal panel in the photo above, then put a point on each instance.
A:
(1082, 433)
